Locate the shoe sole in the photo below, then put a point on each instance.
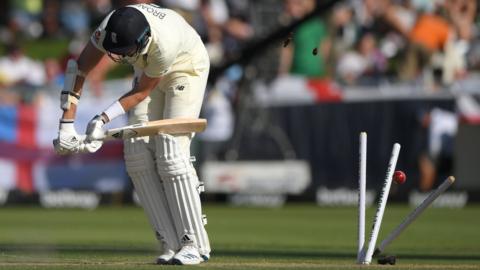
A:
(178, 262)
(163, 262)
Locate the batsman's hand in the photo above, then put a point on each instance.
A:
(83, 147)
(90, 147)
(68, 140)
(95, 130)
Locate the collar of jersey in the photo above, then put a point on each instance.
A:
(147, 47)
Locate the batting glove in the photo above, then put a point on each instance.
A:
(68, 140)
(95, 129)
(90, 147)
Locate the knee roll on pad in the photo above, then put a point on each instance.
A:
(140, 166)
(171, 159)
(137, 157)
(182, 190)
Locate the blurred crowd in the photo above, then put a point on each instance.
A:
(370, 42)
(221, 23)
(358, 42)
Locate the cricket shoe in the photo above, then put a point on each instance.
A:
(166, 257)
(205, 257)
(188, 255)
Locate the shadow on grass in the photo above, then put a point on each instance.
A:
(76, 249)
(283, 254)
(279, 254)
(223, 252)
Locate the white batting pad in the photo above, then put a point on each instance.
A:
(140, 166)
(182, 190)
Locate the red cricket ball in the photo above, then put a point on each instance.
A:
(399, 177)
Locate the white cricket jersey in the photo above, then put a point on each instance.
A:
(174, 46)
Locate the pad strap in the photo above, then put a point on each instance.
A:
(66, 121)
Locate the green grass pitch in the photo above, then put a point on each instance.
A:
(298, 236)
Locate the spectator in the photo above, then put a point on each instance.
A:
(461, 14)
(215, 14)
(25, 16)
(401, 17)
(75, 18)
(51, 24)
(218, 110)
(225, 28)
(428, 36)
(343, 30)
(367, 12)
(16, 69)
(309, 38)
(431, 31)
(98, 9)
(122, 3)
(237, 29)
(186, 8)
(364, 65)
(436, 161)
(53, 73)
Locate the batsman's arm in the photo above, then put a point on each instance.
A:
(75, 78)
(140, 91)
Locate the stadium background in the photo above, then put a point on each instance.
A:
(404, 71)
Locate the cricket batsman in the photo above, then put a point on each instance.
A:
(171, 69)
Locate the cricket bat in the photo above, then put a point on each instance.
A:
(168, 126)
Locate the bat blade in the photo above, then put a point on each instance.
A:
(167, 126)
